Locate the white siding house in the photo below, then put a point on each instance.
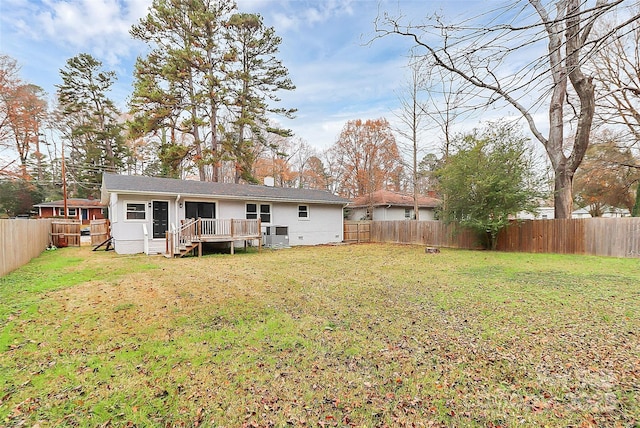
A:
(386, 205)
(143, 209)
(546, 213)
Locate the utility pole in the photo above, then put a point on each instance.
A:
(64, 185)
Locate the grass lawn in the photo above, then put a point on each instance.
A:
(357, 335)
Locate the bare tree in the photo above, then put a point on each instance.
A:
(489, 53)
(616, 69)
(9, 80)
(411, 115)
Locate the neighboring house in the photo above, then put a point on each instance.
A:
(543, 213)
(387, 205)
(143, 209)
(546, 212)
(77, 209)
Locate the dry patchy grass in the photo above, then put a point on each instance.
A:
(366, 335)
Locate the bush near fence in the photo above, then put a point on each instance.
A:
(616, 237)
(21, 240)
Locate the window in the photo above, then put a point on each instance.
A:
(136, 212)
(303, 212)
(252, 211)
(71, 212)
(264, 211)
(200, 210)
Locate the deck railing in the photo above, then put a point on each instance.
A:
(211, 229)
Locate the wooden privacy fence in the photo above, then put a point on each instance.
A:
(20, 241)
(617, 237)
(357, 231)
(433, 233)
(99, 230)
(66, 233)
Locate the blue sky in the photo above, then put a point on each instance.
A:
(339, 76)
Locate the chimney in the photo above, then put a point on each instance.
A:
(269, 181)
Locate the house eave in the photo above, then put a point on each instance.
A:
(391, 206)
(226, 197)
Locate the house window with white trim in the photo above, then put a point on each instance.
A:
(71, 212)
(263, 210)
(136, 211)
(252, 211)
(303, 212)
(265, 213)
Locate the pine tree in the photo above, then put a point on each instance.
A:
(89, 122)
(257, 76)
(179, 86)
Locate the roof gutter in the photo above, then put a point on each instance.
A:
(238, 198)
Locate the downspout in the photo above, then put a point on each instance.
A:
(178, 207)
(344, 207)
(145, 233)
(172, 228)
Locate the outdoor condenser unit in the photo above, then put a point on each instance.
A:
(276, 236)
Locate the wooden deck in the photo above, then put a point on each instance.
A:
(193, 233)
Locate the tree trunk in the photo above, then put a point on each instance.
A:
(635, 212)
(563, 193)
(196, 131)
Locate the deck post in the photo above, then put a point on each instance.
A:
(259, 235)
(233, 229)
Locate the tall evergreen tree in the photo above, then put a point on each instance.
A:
(179, 86)
(88, 121)
(257, 76)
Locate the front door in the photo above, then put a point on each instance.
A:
(160, 218)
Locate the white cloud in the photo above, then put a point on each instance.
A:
(98, 26)
(284, 22)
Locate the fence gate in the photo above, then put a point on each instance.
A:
(100, 231)
(357, 231)
(66, 233)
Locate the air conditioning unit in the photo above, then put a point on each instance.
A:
(276, 236)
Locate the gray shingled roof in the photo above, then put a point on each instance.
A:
(167, 186)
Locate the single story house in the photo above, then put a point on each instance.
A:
(77, 209)
(145, 211)
(547, 212)
(388, 205)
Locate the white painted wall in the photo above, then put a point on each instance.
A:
(324, 224)
(389, 213)
(129, 234)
